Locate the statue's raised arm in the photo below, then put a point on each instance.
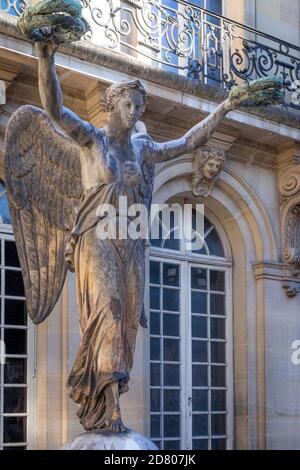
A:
(48, 28)
(264, 91)
(52, 99)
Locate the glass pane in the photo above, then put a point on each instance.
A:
(200, 400)
(154, 323)
(200, 444)
(15, 341)
(154, 298)
(172, 240)
(199, 327)
(171, 400)
(172, 445)
(155, 425)
(155, 374)
(171, 324)
(4, 210)
(15, 312)
(15, 371)
(155, 349)
(171, 375)
(200, 425)
(157, 443)
(171, 300)
(171, 274)
(14, 400)
(14, 429)
(171, 425)
(172, 243)
(199, 351)
(199, 302)
(217, 328)
(218, 400)
(217, 280)
(218, 425)
(14, 283)
(218, 376)
(154, 272)
(218, 444)
(217, 304)
(11, 255)
(171, 350)
(214, 244)
(155, 399)
(218, 353)
(199, 374)
(214, 5)
(199, 278)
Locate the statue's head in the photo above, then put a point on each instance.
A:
(125, 102)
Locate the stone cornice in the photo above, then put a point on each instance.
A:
(268, 270)
(92, 53)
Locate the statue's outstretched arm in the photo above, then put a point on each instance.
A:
(194, 138)
(263, 91)
(52, 99)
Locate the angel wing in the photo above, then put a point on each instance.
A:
(44, 187)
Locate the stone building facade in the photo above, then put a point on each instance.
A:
(218, 366)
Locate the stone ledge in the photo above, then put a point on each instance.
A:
(119, 61)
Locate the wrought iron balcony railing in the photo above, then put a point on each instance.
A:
(179, 36)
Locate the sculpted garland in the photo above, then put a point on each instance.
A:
(56, 179)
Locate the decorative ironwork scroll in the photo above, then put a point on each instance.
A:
(13, 7)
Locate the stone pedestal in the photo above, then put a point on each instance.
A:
(104, 439)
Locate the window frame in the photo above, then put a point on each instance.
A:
(6, 233)
(186, 262)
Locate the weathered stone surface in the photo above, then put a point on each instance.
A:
(107, 440)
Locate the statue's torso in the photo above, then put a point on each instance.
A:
(107, 163)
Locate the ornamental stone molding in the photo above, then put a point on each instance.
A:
(289, 190)
(208, 163)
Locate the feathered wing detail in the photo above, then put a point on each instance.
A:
(44, 187)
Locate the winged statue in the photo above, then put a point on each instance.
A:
(58, 170)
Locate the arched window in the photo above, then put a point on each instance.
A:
(190, 345)
(14, 339)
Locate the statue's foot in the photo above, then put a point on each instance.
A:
(115, 422)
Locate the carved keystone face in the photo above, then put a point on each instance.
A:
(211, 168)
(129, 108)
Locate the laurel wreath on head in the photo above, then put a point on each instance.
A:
(58, 21)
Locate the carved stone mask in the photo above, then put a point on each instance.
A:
(208, 163)
(211, 168)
